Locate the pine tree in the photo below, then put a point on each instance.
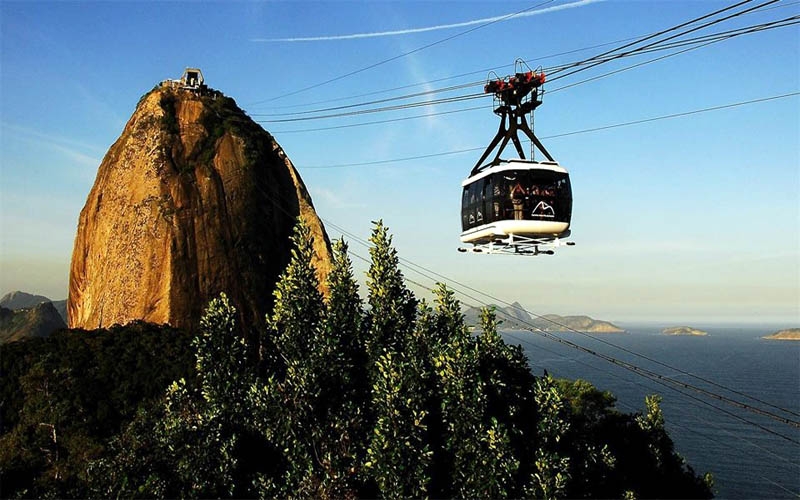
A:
(398, 454)
(550, 477)
(392, 306)
(344, 385)
(288, 405)
(475, 460)
(397, 401)
(191, 445)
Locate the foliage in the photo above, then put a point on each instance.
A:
(169, 120)
(389, 397)
(65, 396)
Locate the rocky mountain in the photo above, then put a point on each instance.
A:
(193, 199)
(38, 321)
(61, 307)
(556, 323)
(23, 300)
(515, 317)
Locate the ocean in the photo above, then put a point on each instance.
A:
(747, 460)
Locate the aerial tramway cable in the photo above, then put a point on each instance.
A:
(591, 62)
(662, 32)
(404, 54)
(699, 41)
(696, 28)
(655, 377)
(564, 134)
(713, 407)
(487, 70)
(628, 366)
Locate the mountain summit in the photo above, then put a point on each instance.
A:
(193, 199)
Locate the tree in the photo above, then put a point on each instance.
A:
(392, 306)
(550, 477)
(194, 444)
(476, 460)
(345, 384)
(399, 400)
(398, 454)
(289, 404)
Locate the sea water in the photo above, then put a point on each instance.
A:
(747, 453)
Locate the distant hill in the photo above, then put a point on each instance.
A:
(515, 316)
(61, 307)
(21, 300)
(788, 334)
(38, 321)
(24, 300)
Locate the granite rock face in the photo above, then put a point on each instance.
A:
(193, 199)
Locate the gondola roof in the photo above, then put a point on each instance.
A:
(515, 164)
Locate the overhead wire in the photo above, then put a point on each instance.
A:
(657, 378)
(444, 100)
(706, 40)
(654, 377)
(495, 68)
(404, 54)
(377, 101)
(665, 31)
(592, 61)
(554, 136)
(537, 347)
(685, 32)
(442, 79)
(777, 24)
(629, 366)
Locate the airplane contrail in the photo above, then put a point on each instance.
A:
(354, 36)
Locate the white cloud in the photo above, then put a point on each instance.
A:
(408, 31)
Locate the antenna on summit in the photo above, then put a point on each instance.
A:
(192, 79)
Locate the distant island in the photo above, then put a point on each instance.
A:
(788, 334)
(515, 317)
(684, 330)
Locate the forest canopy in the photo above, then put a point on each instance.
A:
(343, 397)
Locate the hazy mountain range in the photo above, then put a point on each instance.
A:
(24, 315)
(516, 317)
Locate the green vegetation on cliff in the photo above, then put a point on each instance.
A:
(335, 399)
(65, 396)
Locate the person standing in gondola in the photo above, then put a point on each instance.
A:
(517, 200)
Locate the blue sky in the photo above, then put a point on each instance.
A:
(695, 218)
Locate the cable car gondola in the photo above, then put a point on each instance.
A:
(516, 206)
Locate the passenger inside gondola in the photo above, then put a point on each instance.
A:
(518, 196)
